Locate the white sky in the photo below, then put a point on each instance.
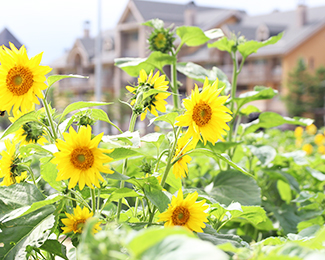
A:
(51, 26)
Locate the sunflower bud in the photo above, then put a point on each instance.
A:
(85, 119)
(161, 40)
(32, 131)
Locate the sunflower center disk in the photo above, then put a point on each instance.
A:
(82, 158)
(78, 225)
(202, 114)
(180, 216)
(19, 80)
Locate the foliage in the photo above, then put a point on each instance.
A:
(258, 190)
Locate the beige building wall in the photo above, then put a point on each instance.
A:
(312, 51)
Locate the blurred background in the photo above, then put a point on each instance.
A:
(85, 36)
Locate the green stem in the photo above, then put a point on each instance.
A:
(80, 198)
(49, 116)
(93, 200)
(136, 207)
(233, 94)
(125, 163)
(159, 158)
(174, 85)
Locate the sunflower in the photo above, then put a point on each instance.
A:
(308, 148)
(205, 115)
(319, 139)
(185, 212)
(21, 79)
(298, 131)
(311, 129)
(79, 159)
(76, 221)
(28, 133)
(155, 101)
(180, 167)
(9, 171)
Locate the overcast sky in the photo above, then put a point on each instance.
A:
(51, 26)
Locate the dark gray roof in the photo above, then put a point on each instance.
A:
(173, 13)
(89, 45)
(6, 37)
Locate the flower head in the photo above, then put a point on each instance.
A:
(308, 148)
(30, 132)
(80, 160)
(298, 131)
(319, 139)
(155, 101)
(311, 129)
(76, 221)
(21, 79)
(180, 167)
(321, 149)
(185, 212)
(9, 169)
(206, 116)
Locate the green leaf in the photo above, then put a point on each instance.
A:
(233, 186)
(194, 36)
(252, 46)
(223, 44)
(154, 138)
(271, 119)
(154, 23)
(30, 149)
(123, 153)
(79, 105)
(248, 110)
(49, 174)
(125, 140)
(55, 78)
(169, 118)
(265, 153)
(215, 238)
(156, 60)
(17, 196)
(147, 238)
(251, 214)
(30, 230)
(258, 93)
(55, 247)
(120, 193)
(157, 197)
(185, 248)
(96, 114)
(284, 191)
(29, 117)
(197, 72)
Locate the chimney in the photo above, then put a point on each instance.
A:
(301, 14)
(189, 14)
(86, 29)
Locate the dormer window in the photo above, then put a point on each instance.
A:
(262, 32)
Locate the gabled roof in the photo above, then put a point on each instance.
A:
(6, 37)
(276, 22)
(174, 13)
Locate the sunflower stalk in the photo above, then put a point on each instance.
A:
(93, 200)
(49, 116)
(133, 120)
(175, 87)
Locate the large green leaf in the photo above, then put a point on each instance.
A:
(147, 238)
(17, 196)
(31, 116)
(271, 119)
(265, 153)
(197, 72)
(49, 173)
(223, 44)
(252, 46)
(123, 153)
(194, 36)
(185, 248)
(234, 186)
(284, 191)
(132, 66)
(55, 247)
(258, 93)
(79, 105)
(124, 140)
(119, 194)
(157, 197)
(55, 78)
(30, 230)
(169, 118)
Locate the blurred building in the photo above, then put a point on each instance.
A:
(6, 36)
(304, 36)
